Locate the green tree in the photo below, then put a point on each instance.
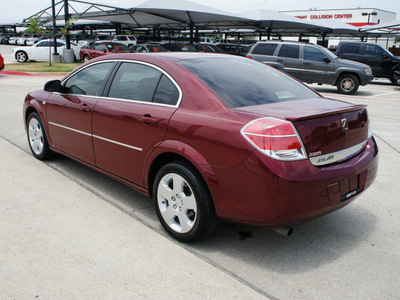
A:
(34, 25)
(68, 26)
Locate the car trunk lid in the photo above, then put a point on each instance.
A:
(330, 130)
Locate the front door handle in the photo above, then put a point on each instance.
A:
(85, 108)
(148, 120)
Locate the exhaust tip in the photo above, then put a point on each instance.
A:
(286, 231)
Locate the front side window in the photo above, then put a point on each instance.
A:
(373, 50)
(90, 80)
(43, 44)
(289, 51)
(311, 53)
(100, 47)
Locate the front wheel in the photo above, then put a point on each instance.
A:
(183, 202)
(395, 79)
(347, 84)
(86, 58)
(37, 137)
(21, 56)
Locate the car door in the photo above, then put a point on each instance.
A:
(69, 114)
(133, 119)
(379, 60)
(317, 67)
(289, 57)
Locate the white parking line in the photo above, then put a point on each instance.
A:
(382, 94)
(333, 96)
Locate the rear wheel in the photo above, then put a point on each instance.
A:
(21, 56)
(37, 137)
(86, 58)
(183, 202)
(347, 84)
(395, 79)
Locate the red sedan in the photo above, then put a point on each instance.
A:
(207, 136)
(100, 49)
(1, 63)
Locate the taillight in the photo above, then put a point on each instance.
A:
(249, 56)
(276, 138)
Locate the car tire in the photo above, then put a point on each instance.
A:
(86, 58)
(21, 56)
(183, 202)
(37, 138)
(347, 84)
(395, 79)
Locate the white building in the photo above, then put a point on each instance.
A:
(356, 16)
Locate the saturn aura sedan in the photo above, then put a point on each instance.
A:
(208, 136)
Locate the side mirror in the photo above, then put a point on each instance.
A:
(326, 60)
(53, 86)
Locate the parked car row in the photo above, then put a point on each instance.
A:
(312, 64)
(383, 63)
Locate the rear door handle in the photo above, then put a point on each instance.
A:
(85, 108)
(148, 120)
(307, 63)
(279, 60)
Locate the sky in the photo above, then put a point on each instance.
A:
(21, 9)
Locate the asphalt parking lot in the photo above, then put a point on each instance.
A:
(69, 232)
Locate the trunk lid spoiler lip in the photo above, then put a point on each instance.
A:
(294, 113)
(327, 113)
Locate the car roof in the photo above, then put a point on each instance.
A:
(159, 56)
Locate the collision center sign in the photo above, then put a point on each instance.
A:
(326, 16)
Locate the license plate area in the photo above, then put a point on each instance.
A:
(349, 187)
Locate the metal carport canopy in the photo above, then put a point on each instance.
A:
(172, 13)
(389, 27)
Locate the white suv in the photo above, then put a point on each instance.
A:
(128, 40)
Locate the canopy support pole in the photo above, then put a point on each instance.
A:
(66, 18)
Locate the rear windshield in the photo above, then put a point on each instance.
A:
(245, 82)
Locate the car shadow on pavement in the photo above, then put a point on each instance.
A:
(333, 90)
(312, 244)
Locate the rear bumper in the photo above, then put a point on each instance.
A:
(265, 192)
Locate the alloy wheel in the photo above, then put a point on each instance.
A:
(35, 135)
(177, 203)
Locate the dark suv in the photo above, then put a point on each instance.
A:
(383, 63)
(312, 64)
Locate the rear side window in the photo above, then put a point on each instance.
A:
(245, 82)
(143, 83)
(135, 82)
(352, 48)
(265, 49)
(289, 51)
(166, 92)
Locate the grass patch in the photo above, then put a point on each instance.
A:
(29, 67)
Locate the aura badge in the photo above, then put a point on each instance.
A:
(345, 124)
